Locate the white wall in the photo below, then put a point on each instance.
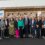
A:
(18, 3)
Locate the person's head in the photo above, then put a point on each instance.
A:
(32, 18)
(16, 18)
(25, 16)
(43, 18)
(36, 18)
(39, 18)
(19, 17)
(29, 17)
(22, 16)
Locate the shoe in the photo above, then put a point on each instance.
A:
(6, 37)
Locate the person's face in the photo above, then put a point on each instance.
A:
(39, 18)
(35, 18)
(25, 16)
(28, 16)
(32, 18)
(43, 19)
(20, 18)
(16, 18)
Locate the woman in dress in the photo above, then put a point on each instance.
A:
(11, 27)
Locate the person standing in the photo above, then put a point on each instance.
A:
(2, 28)
(16, 27)
(16, 23)
(6, 33)
(26, 26)
(20, 26)
(33, 27)
(11, 28)
(43, 27)
(39, 27)
(29, 27)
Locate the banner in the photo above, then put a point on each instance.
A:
(1, 13)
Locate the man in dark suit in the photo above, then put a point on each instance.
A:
(16, 23)
(26, 26)
(33, 27)
(6, 33)
(39, 27)
(29, 25)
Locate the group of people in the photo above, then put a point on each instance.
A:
(26, 26)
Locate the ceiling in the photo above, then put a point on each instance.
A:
(21, 3)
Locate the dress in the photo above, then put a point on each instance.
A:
(11, 28)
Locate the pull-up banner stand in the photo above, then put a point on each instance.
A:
(1, 13)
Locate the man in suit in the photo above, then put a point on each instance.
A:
(26, 26)
(39, 27)
(43, 27)
(6, 33)
(29, 25)
(16, 23)
(33, 27)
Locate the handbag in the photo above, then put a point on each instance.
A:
(17, 33)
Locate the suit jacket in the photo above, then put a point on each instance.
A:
(27, 21)
(43, 23)
(7, 23)
(34, 24)
(39, 23)
(15, 24)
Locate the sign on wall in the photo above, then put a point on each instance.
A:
(1, 13)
